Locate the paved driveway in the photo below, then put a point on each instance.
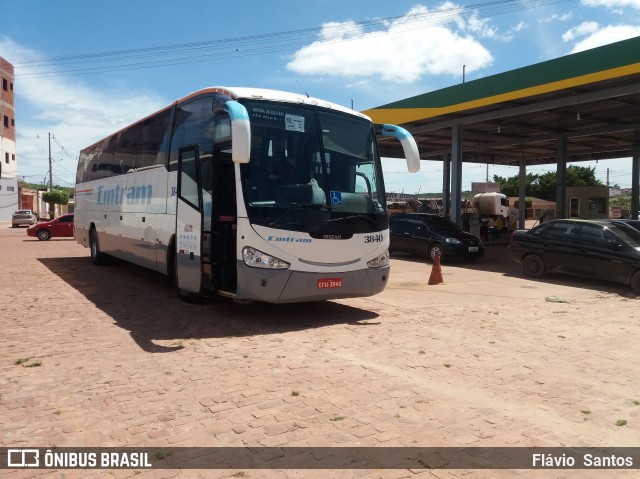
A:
(109, 356)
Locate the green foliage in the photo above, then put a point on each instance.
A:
(56, 197)
(621, 201)
(35, 186)
(545, 185)
(528, 203)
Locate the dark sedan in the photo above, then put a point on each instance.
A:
(429, 235)
(633, 223)
(595, 249)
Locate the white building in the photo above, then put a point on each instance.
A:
(8, 164)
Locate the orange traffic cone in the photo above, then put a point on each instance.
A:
(436, 271)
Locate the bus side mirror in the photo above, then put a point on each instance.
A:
(407, 141)
(240, 131)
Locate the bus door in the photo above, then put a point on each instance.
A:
(189, 222)
(224, 220)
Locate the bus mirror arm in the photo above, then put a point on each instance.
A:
(407, 141)
(240, 131)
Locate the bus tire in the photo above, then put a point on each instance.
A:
(635, 283)
(171, 262)
(97, 257)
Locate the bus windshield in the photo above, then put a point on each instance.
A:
(313, 170)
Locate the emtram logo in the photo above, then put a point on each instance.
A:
(23, 457)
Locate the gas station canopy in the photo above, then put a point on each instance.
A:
(589, 100)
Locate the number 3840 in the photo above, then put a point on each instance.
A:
(373, 238)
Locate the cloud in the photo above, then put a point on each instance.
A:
(557, 17)
(611, 4)
(585, 28)
(480, 26)
(512, 31)
(597, 36)
(76, 113)
(407, 50)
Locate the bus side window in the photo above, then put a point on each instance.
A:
(193, 124)
(222, 129)
(188, 179)
(223, 169)
(154, 141)
(101, 161)
(128, 147)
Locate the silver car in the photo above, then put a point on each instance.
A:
(23, 217)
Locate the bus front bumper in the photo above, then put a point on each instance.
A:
(286, 286)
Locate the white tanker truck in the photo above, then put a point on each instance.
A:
(491, 204)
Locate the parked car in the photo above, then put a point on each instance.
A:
(61, 227)
(633, 223)
(23, 217)
(428, 235)
(595, 249)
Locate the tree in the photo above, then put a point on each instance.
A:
(582, 176)
(528, 203)
(545, 185)
(55, 197)
(508, 186)
(621, 201)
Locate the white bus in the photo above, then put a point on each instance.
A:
(246, 193)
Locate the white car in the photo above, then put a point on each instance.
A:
(23, 217)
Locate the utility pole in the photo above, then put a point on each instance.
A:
(51, 206)
(50, 175)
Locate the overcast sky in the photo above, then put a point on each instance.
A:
(85, 69)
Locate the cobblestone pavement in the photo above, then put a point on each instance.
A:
(109, 356)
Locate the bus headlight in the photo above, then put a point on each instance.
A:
(257, 259)
(379, 261)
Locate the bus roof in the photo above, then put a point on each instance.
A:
(275, 95)
(251, 93)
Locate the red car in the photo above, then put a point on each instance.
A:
(61, 227)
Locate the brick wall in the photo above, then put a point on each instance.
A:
(7, 102)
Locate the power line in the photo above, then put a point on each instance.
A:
(62, 148)
(37, 137)
(30, 176)
(63, 181)
(221, 49)
(65, 169)
(19, 156)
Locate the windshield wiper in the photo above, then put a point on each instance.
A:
(294, 206)
(344, 218)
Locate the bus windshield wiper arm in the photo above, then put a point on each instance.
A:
(344, 218)
(293, 207)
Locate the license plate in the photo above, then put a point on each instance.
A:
(473, 249)
(329, 283)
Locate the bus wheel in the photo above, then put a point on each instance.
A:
(635, 283)
(97, 257)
